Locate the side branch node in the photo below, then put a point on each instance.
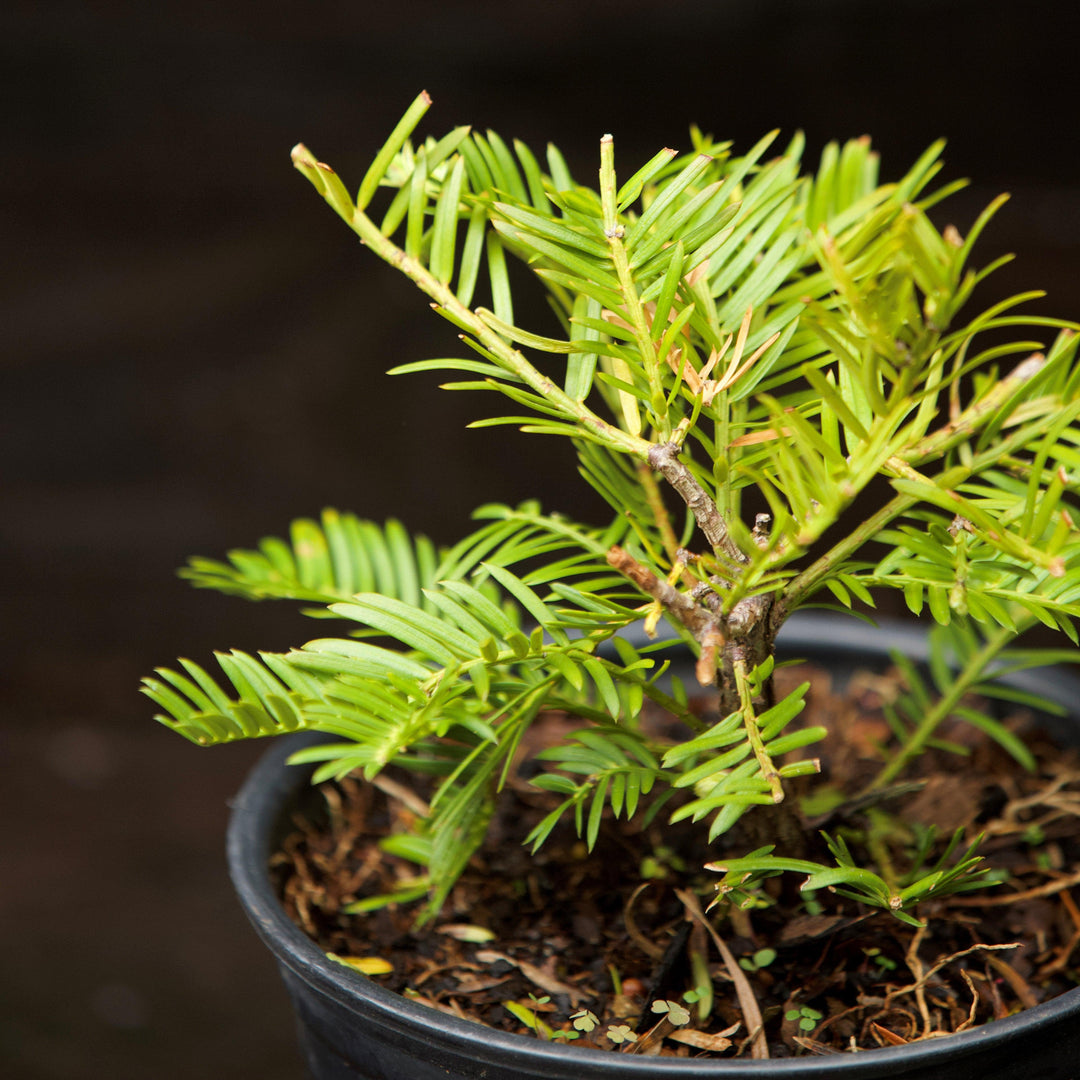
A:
(664, 457)
(706, 627)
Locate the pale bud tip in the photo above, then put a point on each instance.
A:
(301, 155)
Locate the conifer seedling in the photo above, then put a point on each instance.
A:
(748, 355)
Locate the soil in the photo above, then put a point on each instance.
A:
(592, 945)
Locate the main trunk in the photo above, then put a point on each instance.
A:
(747, 638)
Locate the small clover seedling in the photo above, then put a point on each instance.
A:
(585, 1020)
(761, 959)
(658, 865)
(807, 1018)
(674, 1011)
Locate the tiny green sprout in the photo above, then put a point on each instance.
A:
(568, 1036)
(883, 962)
(527, 1017)
(658, 865)
(675, 1012)
(585, 1020)
(691, 997)
(807, 1018)
(652, 869)
(671, 858)
(1034, 835)
(811, 903)
(823, 800)
(407, 892)
(761, 959)
(621, 1033)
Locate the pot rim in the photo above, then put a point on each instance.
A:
(254, 813)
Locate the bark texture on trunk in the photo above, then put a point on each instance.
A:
(748, 640)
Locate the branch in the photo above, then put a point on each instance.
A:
(691, 614)
(965, 679)
(665, 458)
(753, 733)
(706, 627)
(805, 583)
(964, 425)
(447, 304)
(798, 589)
(633, 310)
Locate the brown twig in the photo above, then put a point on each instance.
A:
(650, 948)
(759, 1048)
(1061, 961)
(1070, 906)
(916, 968)
(650, 1043)
(664, 457)
(705, 625)
(1015, 980)
(970, 1021)
(924, 975)
(406, 796)
(705, 668)
(700, 622)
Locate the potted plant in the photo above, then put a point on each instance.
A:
(767, 377)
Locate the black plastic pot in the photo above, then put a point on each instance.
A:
(350, 1027)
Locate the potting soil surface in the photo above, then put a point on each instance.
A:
(608, 949)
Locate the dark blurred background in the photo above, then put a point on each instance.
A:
(192, 353)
